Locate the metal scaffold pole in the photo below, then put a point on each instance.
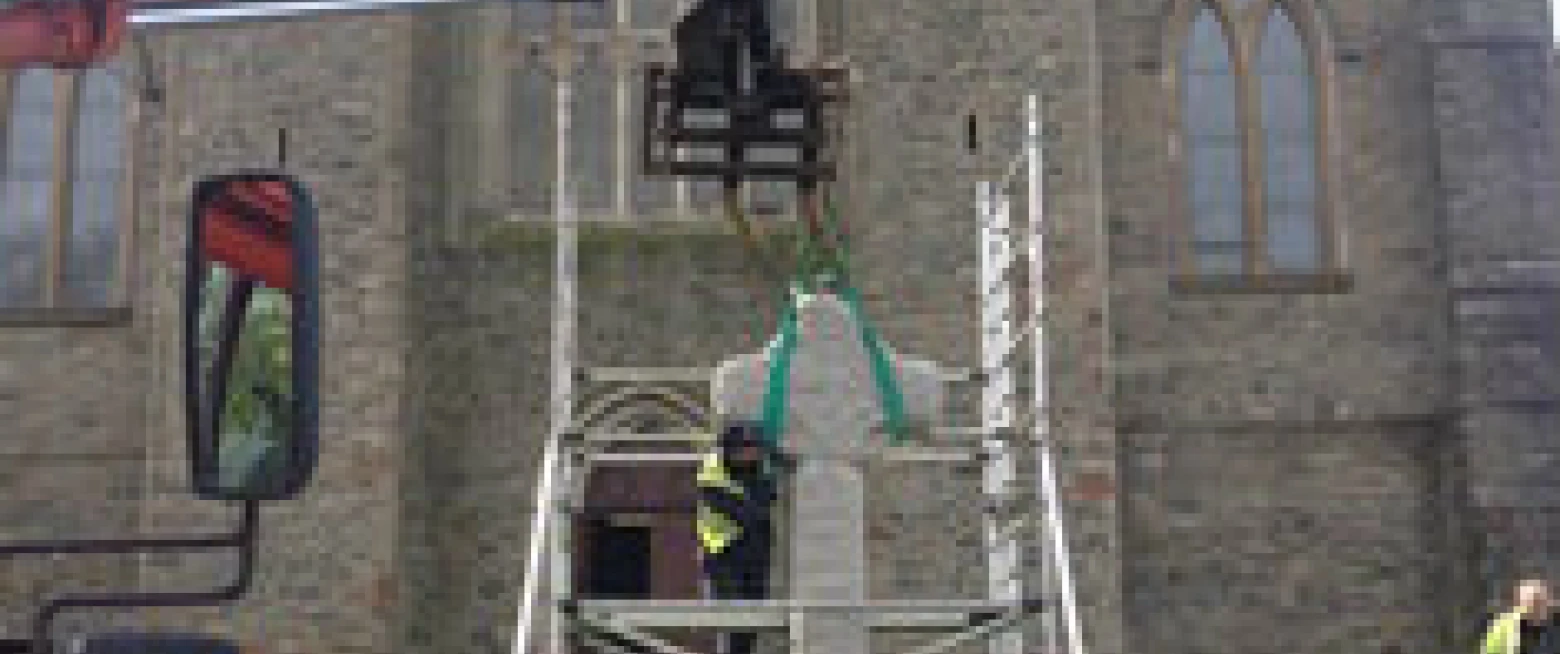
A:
(999, 352)
(1060, 564)
(564, 330)
(549, 533)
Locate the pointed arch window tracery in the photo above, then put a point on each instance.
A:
(1250, 81)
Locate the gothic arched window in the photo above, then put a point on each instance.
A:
(1251, 146)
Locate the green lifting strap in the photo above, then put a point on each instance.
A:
(777, 393)
(882, 367)
(882, 370)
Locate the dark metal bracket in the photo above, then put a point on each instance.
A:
(731, 100)
(244, 538)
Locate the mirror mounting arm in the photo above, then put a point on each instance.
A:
(244, 538)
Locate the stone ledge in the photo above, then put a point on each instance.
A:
(1275, 283)
(1507, 276)
(1491, 36)
(600, 233)
(1237, 425)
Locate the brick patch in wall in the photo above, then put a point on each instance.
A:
(1092, 487)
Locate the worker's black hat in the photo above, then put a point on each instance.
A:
(739, 433)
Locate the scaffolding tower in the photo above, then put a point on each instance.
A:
(573, 447)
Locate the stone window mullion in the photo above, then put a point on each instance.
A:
(1253, 148)
(7, 97)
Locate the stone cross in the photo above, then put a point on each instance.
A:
(834, 417)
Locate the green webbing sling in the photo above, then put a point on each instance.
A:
(777, 394)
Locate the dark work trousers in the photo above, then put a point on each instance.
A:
(741, 572)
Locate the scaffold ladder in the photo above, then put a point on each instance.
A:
(1004, 338)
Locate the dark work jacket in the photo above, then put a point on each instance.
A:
(1539, 638)
(753, 512)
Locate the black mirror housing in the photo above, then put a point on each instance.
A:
(141, 643)
(251, 337)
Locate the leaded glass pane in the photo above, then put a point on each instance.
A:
(97, 184)
(1223, 224)
(1216, 177)
(1291, 172)
(1207, 51)
(593, 131)
(25, 188)
(1210, 105)
(533, 110)
(1289, 139)
(1212, 129)
(1287, 100)
(1292, 237)
(1283, 49)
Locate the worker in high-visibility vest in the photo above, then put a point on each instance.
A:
(737, 492)
(1528, 627)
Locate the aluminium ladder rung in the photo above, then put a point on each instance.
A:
(1004, 433)
(704, 438)
(776, 614)
(647, 375)
(904, 454)
(666, 438)
(705, 375)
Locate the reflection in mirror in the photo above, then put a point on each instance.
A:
(256, 411)
(252, 393)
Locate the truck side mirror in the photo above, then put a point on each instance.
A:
(251, 337)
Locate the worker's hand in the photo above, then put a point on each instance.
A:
(782, 462)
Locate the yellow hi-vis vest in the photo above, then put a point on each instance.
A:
(1504, 634)
(716, 531)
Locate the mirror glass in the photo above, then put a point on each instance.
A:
(253, 347)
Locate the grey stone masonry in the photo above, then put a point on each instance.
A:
(1494, 108)
(1357, 464)
(70, 461)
